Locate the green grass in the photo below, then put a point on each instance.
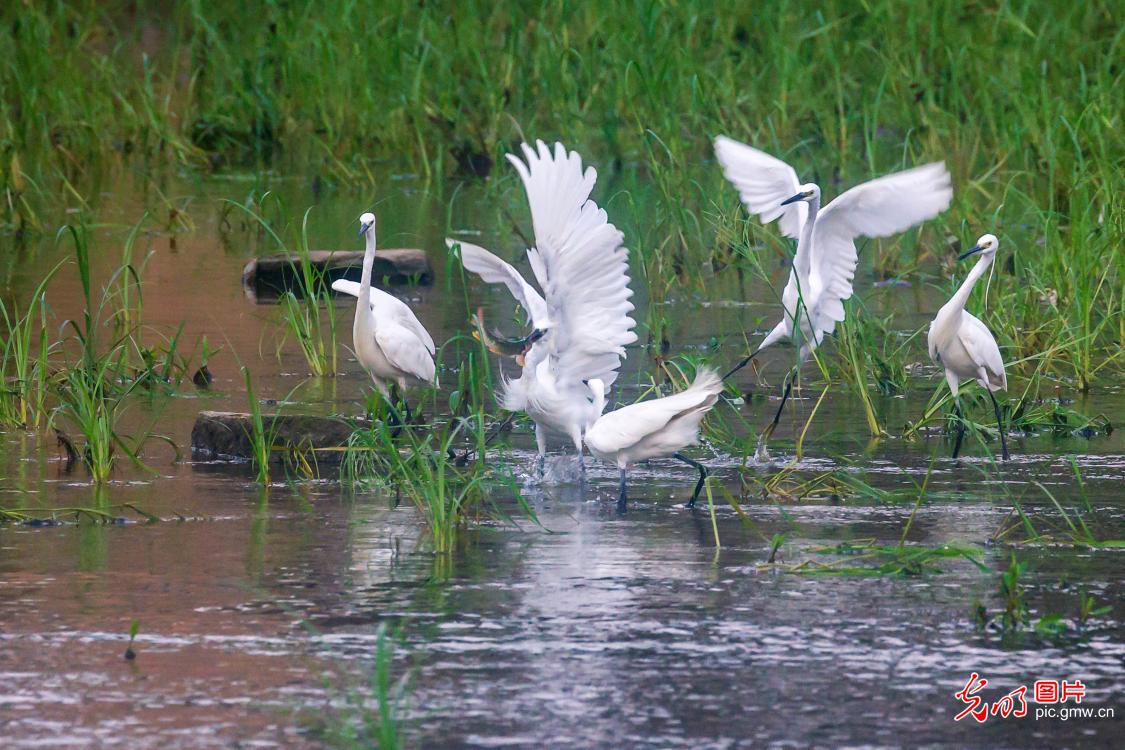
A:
(1019, 99)
(308, 313)
(260, 441)
(79, 377)
(24, 352)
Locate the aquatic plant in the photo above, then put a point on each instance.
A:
(260, 442)
(422, 464)
(370, 716)
(309, 316)
(94, 389)
(24, 352)
(1076, 527)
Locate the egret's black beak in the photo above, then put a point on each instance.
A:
(971, 251)
(536, 334)
(794, 199)
(363, 229)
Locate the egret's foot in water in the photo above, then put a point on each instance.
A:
(762, 452)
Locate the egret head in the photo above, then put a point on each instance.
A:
(986, 245)
(809, 191)
(366, 221)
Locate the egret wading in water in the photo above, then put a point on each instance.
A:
(581, 322)
(963, 345)
(658, 428)
(389, 341)
(820, 280)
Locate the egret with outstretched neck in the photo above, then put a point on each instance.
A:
(581, 322)
(389, 341)
(820, 280)
(657, 428)
(961, 344)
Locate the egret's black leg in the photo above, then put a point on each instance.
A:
(406, 409)
(391, 411)
(467, 455)
(742, 364)
(960, 426)
(999, 426)
(621, 494)
(763, 439)
(702, 476)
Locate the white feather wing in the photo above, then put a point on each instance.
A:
(878, 208)
(387, 307)
(981, 346)
(495, 271)
(763, 182)
(629, 425)
(580, 263)
(400, 346)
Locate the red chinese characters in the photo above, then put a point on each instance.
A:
(976, 707)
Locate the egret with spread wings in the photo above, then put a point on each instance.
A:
(581, 322)
(389, 341)
(821, 277)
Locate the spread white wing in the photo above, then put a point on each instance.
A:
(387, 307)
(580, 263)
(878, 208)
(495, 271)
(763, 182)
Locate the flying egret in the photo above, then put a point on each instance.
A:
(581, 322)
(658, 428)
(389, 341)
(824, 266)
(965, 347)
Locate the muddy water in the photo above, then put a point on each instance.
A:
(258, 610)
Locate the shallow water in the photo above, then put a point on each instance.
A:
(258, 611)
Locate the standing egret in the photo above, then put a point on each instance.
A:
(965, 347)
(824, 266)
(581, 321)
(658, 428)
(389, 341)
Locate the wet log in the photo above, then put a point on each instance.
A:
(220, 435)
(268, 277)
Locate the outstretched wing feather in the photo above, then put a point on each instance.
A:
(763, 182)
(878, 208)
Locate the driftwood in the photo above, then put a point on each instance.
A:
(269, 276)
(222, 435)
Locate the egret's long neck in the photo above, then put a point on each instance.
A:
(962, 296)
(365, 279)
(599, 402)
(803, 262)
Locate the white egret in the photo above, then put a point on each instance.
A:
(658, 428)
(963, 345)
(824, 266)
(581, 321)
(389, 341)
